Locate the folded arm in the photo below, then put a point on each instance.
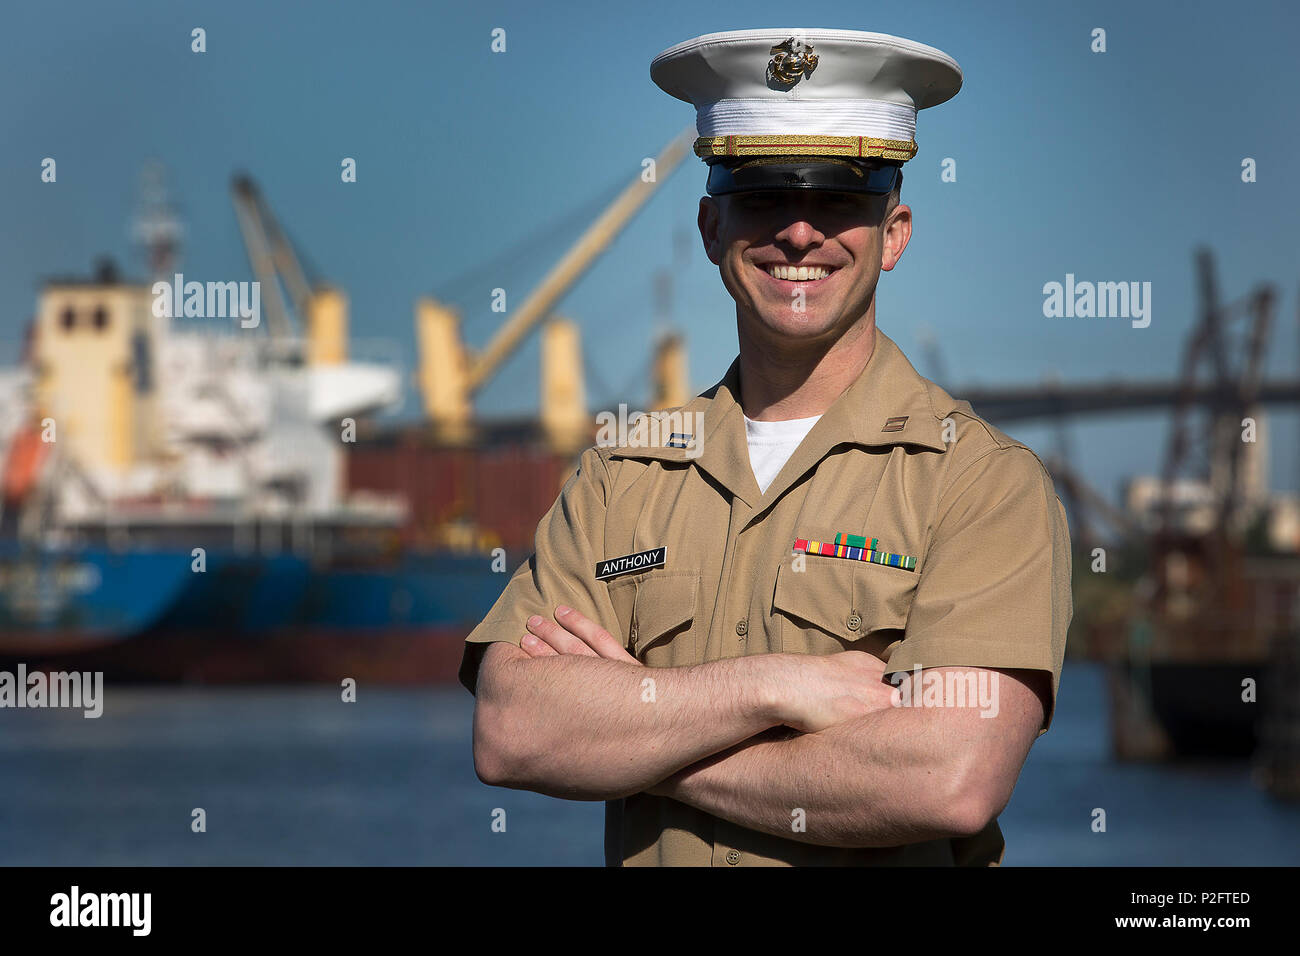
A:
(578, 717)
(890, 777)
(590, 729)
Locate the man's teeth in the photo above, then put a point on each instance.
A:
(797, 273)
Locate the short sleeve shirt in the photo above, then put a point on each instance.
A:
(970, 566)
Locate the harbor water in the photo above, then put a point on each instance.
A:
(294, 775)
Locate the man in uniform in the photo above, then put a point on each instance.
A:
(821, 618)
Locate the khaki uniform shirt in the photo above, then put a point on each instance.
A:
(990, 586)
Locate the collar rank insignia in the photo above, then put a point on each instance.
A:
(680, 440)
(856, 547)
(895, 424)
(641, 561)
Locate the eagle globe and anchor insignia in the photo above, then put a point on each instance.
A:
(792, 60)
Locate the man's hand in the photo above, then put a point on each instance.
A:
(571, 633)
(831, 689)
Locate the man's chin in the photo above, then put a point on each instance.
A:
(790, 326)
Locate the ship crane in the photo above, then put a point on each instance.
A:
(339, 388)
(451, 373)
(1213, 452)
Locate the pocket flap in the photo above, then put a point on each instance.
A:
(821, 594)
(834, 593)
(663, 604)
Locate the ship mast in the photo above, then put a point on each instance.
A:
(158, 228)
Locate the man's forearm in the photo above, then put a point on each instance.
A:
(891, 777)
(596, 729)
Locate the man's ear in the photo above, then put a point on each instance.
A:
(895, 233)
(709, 218)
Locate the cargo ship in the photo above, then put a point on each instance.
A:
(173, 507)
(191, 491)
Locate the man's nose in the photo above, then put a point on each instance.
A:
(799, 230)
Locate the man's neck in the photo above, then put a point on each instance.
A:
(779, 386)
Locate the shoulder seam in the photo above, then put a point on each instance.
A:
(988, 451)
(988, 429)
(608, 483)
(930, 389)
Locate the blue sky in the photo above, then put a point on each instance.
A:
(1112, 166)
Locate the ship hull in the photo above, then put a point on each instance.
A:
(428, 655)
(150, 615)
(1184, 709)
(1200, 706)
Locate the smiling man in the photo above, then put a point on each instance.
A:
(826, 628)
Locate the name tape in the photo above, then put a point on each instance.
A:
(613, 567)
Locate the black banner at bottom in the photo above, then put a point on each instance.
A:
(333, 905)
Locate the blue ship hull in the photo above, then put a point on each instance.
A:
(146, 612)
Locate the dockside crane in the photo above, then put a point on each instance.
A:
(307, 320)
(1213, 451)
(451, 373)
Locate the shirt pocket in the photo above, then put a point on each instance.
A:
(662, 612)
(839, 604)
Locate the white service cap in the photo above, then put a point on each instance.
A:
(806, 92)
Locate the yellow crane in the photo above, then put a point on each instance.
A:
(322, 308)
(338, 386)
(450, 373)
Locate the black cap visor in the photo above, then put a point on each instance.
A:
(873, 177)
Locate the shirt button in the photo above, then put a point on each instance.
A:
(855, 621)
(733, 857)
(633, 635)
(742, 628)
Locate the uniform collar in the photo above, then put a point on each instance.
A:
(887, 390)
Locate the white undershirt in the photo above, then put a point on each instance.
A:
(772, 443)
